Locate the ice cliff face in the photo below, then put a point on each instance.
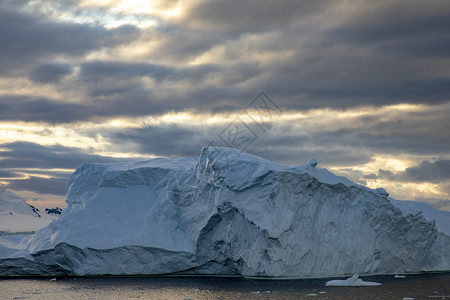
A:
(225, 213)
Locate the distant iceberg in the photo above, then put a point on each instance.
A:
(17, 216)
(226, 213)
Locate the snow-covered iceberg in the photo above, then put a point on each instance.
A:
(227, 213)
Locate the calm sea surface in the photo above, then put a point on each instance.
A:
(426, 286)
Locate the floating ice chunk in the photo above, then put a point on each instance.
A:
(352, 281)
(399, 276)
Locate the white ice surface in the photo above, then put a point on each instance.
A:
(352, 281)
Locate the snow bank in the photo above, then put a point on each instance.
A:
(352, 281)
(228, 214)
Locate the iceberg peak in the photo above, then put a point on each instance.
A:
(382, 192)
(312, 162)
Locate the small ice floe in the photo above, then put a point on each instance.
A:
(53, 279)
(322, 292)
(312, 294)
(352, 281)
(407, 298)
(399, 276)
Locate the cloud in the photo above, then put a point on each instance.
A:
(25, 155)
(42, 109)
(281, 143)
(29, 38)
(68, 63)
(36, 163)
(97, 70)
(399, 20)
(206, 62)
(9, 174)
(53, 186)
(46, 73)
(435, 172)
(165, 140)
(249, 16)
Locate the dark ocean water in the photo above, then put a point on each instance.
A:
(424, 286)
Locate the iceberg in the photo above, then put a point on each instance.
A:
(226, 213)
(19, 217)
(352, 281)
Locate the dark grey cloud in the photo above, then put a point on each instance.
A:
(397, 20)
(46, 73)
(305, 54)
(250, 16)
(297, 153)
(370, 176)
(445, 187)
(53, 186)
(385, 174)
(28, 38)
(24, 155)
(109, 100)
(290, 148)
(435, 172)
(346, 78)
(341, 68)
(97, 70)
(324, 68)
(170, 140)
(36, 162)
(9, 174)
(179, 44)
(24, 108)
(395, 143)
(363, 144)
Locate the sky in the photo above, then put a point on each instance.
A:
(363, 86)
